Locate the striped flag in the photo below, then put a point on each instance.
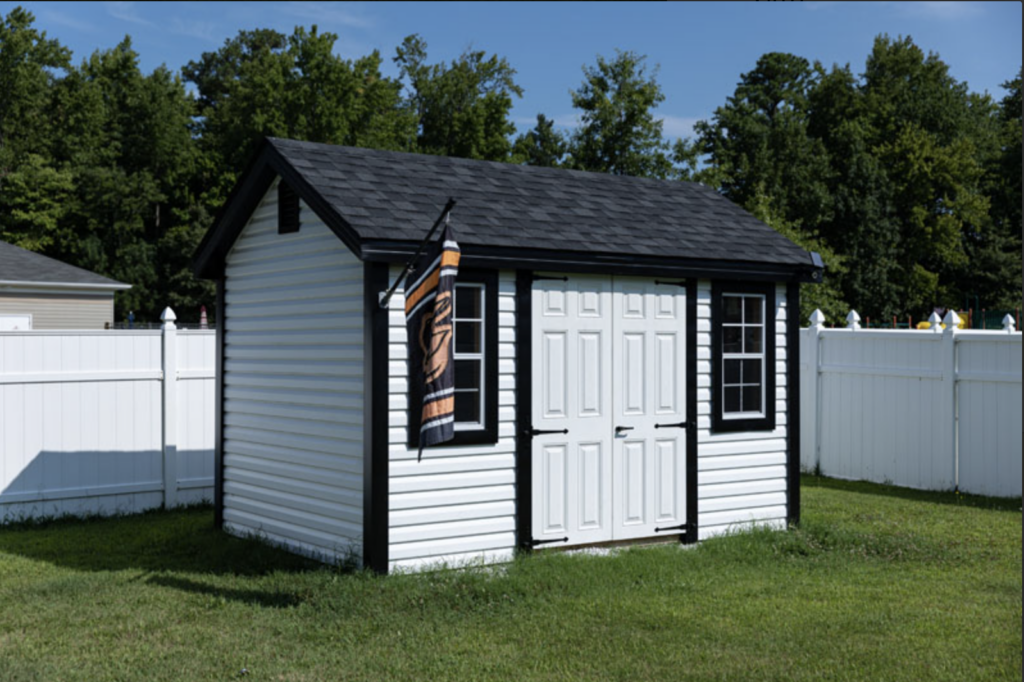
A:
(429, 302)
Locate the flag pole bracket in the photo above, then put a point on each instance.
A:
(384, 297)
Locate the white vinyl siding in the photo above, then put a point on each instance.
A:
(741, 476)
(293, 386)
(458, 503)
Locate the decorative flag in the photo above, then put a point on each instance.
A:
(429, 301)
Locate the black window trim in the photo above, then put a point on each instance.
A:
(719, 424)
(489, 434)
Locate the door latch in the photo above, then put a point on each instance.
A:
(623, 429)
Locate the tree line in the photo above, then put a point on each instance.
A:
(906, 182)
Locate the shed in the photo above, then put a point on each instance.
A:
(39, 292)
(625, 349)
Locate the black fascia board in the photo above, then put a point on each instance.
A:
(585, 262)
(267, 163)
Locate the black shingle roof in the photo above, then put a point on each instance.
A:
(20, 265)
(395, 196)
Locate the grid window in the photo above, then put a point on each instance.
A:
(743, 356)
(469, 356)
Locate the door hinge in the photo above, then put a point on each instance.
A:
(537, 278)
(534, 543)
(677, 425)
(662, 530)
(678, 284)
(541, 432)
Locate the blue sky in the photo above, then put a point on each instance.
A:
(701, 47)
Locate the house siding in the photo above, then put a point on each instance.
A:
(60, 311)
(458, 503)
(293, 386)
(741, 476)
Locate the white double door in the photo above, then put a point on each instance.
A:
(609, 388)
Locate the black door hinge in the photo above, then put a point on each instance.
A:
(662, 530)
(534, 543)
(678, 284)
(677, 425)
(540, 432)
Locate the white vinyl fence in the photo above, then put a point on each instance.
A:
(105, 421)
(936, 409)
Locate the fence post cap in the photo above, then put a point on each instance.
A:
(168, 317)
(935, 321)
(853, 320)
(952, 320)
(818, 318)
(1008, 323)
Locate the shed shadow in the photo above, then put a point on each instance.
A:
(1009, 504)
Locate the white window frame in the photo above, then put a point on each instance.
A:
(479, 357)
(762, 355)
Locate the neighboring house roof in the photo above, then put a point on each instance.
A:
(22, 268)
(382, 203)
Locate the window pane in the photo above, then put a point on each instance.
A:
(752, 339)
(751, 398)
(751, 372)
(732, 341)
(467, 407)
(732, 309)
(467, 374)
(732, 398)
(752, 309)
(467, 337)
(732, 371)
(467, 302)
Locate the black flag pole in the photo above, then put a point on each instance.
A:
(385, 296)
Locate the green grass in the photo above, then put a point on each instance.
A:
(879, 583)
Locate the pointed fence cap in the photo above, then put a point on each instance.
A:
(168, 317)
(951, 320)
(1008, 324)
(936, 322)
(853, 320)
(817, 318)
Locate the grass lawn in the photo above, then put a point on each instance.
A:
(879, 583)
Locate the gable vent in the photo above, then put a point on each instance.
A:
(287, 209)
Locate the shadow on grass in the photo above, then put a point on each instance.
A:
(1010, 504)
(278, 600)
(182, 540)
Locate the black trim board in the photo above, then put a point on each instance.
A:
(218, 420)
(524, 410)
(691, 534)
(375, 420)
(767, 422)
(489, 434)
(793, 403)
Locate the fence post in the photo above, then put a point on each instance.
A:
(810, 396)
(853, 320)
(949, 392)
(170, 407)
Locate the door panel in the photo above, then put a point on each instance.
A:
(648, 365)
(572, 378)
(607, 352)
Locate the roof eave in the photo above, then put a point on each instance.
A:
(65, 286)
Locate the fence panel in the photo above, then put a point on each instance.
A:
(82, 421)
(989, 413)
(933, 409)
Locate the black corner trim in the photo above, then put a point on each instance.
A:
(793, 402)
(690, 536)
(218, 421)
(287, 209)
(767, 422)
(375, 420)
(489, 434)
(524, 410)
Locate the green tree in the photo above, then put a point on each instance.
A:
(618, 131)
(263, 83)
(460, 109)
(542, 146)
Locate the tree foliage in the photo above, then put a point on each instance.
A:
(618, 131)
(542, 146)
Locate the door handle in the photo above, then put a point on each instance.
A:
(622, 429)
